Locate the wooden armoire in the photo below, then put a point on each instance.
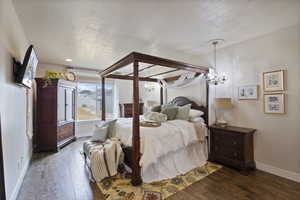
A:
(55, 114)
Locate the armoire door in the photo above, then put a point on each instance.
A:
(66, 98)
(70, 114)
(61, 104)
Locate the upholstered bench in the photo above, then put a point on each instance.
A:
(102, 158)
(87, 146)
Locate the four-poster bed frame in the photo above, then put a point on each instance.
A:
(154, 61)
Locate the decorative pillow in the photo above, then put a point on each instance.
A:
(195, 113)
(100, 134)
(155, 116)
(169, 105)
(183, 112)
(171, 112)
(156, 108)
(110, 127)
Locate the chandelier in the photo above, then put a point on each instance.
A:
(213, 77)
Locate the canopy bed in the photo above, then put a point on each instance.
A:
(134, 151)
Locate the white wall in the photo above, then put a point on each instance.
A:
(125, 90)
(196, 93)
(277, 140)
(16, 143)
(44, 67)
(153, 94)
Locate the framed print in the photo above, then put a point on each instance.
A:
(273, 81)
(248, 92)
(274, 103)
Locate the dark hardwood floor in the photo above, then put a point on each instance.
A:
(62, 176)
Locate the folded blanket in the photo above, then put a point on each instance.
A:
(104, 157)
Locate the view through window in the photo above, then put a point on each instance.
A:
(89, 100)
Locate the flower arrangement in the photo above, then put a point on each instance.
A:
(52, 75)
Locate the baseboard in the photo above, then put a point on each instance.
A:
(17, 188)
(279, 172)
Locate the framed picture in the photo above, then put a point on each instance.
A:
(274, 103)
(273, 81)
(248, 92)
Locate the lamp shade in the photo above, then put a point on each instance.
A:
(223, 103)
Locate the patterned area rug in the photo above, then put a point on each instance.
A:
(120, 188)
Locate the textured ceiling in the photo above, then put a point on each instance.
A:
(96, 33)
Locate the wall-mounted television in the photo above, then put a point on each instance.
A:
(25, 72)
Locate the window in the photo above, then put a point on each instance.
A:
(89, 101)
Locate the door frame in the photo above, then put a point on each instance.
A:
(2, 182)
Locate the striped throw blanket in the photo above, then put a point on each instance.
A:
(104, 157)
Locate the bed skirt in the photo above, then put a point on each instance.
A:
(173, 163)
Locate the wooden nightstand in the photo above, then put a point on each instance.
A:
(232, 146)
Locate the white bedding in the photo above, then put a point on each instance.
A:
(168, 150)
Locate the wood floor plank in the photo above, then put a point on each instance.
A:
(63, 176)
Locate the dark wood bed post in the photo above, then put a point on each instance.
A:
(207, 103)
(161, 95)
(136, 169)
(103, 117)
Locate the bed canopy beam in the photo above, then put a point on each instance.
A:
(136, 58)
(140, 70)
(174, 78)
(125, 77)
(168, 63)
(144, 58)
(162, 73)
(121, 63)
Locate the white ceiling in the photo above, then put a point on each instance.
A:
(96, 33)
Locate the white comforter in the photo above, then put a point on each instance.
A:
(159, 141)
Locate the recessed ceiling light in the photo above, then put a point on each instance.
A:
(68, 60)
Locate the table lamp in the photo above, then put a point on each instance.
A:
(222, 104)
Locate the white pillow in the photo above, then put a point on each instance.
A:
(195, 113)
(197, 119)
(100, 133)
